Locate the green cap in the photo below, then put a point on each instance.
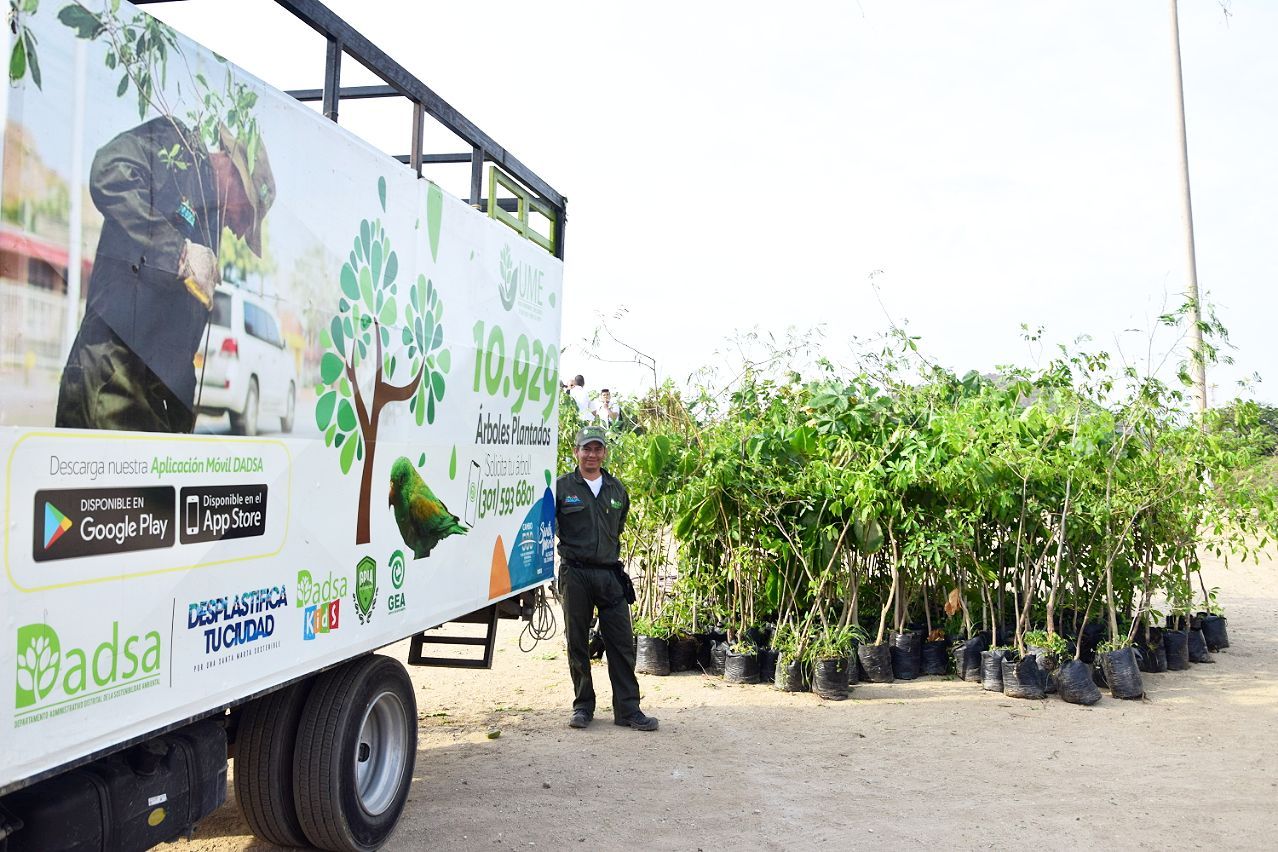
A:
(592, 433)
(257, 179)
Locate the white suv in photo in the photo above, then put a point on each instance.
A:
(243, 366)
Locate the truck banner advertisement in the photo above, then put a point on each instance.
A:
(269, 399)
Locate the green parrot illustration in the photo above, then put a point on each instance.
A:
(422, 517)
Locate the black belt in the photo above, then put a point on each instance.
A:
(602, 566)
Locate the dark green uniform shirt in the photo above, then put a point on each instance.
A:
(590, 527)
(150, 207)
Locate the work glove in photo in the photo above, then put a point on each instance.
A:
(199, 269)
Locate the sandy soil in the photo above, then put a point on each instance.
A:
(933, 762)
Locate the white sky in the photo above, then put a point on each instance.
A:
(733, 164)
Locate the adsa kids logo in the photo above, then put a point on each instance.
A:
(322, 602)
(50, 679)
(365, 596)
(397, 602)
(519, 283)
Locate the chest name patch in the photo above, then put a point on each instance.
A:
(572, 500)
(186, 212)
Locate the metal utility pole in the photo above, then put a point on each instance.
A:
(1197, 362)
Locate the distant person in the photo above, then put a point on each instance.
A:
(606, 411)
(590, 510)
(577, 391)
(131, 365)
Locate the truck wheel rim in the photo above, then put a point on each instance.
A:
(380, 753)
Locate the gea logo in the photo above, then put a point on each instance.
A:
(42, 665)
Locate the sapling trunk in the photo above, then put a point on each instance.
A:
(892, 590)
(1060, 545)
(962, 590)
(1078, 644)
(927, 610)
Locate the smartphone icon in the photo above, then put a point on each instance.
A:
(474, 483)
(192, 514)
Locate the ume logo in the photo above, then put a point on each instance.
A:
(518, 282)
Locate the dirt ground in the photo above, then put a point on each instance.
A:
(934, 762)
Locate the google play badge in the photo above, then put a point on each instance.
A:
(55, 524)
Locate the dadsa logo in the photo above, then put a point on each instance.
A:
(51, 678)
(519, 283)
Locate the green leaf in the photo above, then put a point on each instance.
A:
(421, 460)
(392, 267)
(86, 24)
(438, 340)
(658, 454)
(437, 385)
(444, 360)
(349, 285)
(381, 192)
(331, 367)
(434, 211)
(452, 464)
(324, 409)
(338, 334)
(389, 313)
(345, 416)
(868, 536)
(348, 456)
(29, 38)
(123, 87)
(18, 61)
(430, 409)
(375, 263)
(365, 237)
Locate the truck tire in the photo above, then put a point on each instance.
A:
(356, 747)
(265, 742)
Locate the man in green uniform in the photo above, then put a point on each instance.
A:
(590, 512)
(164, 200)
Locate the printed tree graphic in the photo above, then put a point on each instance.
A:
(39, 656)
(383, 347)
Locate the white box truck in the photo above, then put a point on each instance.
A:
(269, 401)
